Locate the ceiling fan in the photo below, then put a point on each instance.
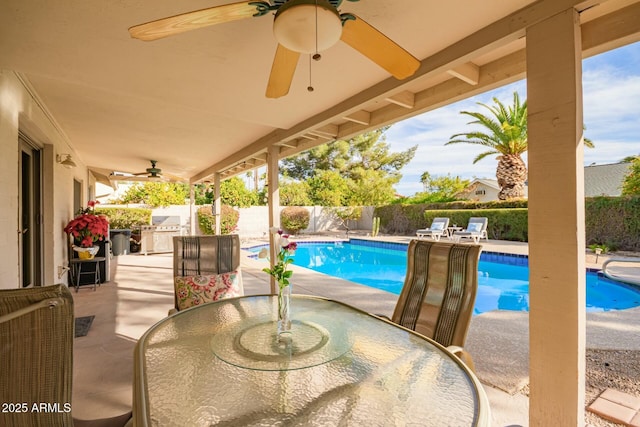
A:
(150, 174)
(299, 26)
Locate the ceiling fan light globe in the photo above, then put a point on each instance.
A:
(295, 26)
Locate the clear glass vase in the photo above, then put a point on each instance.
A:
(284, 310)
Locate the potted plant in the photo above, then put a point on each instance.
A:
(86, 229)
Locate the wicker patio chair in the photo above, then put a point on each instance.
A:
(205, 268)
(439, 292)
(36, 359)
(36, 355)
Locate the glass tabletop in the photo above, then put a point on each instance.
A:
(253, 343)
(221, 364)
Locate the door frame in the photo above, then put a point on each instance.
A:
(30, 213)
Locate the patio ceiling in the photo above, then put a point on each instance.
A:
(195, 102)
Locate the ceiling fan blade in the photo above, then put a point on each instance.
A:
(192, 20)
(132, 178)
(379, 48)
(282, 70)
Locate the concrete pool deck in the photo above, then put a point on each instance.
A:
(141, 292)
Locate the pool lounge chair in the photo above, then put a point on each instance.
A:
(476, 230)
(438, 229)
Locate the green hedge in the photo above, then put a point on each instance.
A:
(504, 224)
(126, 218)
(228, 220)
(613, 221)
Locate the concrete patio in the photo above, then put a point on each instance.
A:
(141, 292)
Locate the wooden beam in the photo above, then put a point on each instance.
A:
(362, 117)
(404, 99)
(485, 40)
(328, 130)
(502, 71)
(321, 136)
(468, 72)
(611, 31)
(290, 144)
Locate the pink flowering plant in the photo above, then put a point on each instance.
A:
(87, 227)
(285, 255)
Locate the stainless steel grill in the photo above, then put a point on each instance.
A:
(158, 238)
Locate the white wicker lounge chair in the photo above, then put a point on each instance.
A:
(476, 230)
(438, 229)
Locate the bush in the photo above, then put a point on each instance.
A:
(614, 222)
(126, 218)
(228, 221)
(294, 219)
(504, 224)
(610, 221)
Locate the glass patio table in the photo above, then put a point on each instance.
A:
(222, 363)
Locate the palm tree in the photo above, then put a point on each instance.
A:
(507, 137)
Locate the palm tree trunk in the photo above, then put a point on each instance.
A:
(511, 175)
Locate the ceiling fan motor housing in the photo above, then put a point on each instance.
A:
(295, 27)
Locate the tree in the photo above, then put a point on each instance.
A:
(294, 193)
(371, 188)
(157, 194)
(631, 183)
(364, 171)
(443, 187)
(344, 214)
(328, 188)
(233, 192)
(438, 189)
(507, 137)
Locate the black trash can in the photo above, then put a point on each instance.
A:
(120, 241)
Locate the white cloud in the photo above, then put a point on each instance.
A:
(611, 88)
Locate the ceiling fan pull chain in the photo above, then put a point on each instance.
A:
(310, 87)
(316, 56)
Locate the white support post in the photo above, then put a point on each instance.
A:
(556, 222)
(274, 204)
(217, 201)
(192, 210)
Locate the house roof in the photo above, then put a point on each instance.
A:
(486, 181)
(604, 180)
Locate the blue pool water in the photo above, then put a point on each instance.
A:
(503, 280)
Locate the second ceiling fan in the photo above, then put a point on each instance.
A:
(299, 26)
(150, 174)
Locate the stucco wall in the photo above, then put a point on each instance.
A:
(20, 111)
(254, 221)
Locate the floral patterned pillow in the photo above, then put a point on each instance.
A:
(198, 290)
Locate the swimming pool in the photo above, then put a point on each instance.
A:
(503, 280)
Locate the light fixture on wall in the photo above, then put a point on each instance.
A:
(66, 161)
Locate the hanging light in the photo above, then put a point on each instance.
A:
(307, 26)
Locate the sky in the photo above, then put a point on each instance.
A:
(611, 91)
